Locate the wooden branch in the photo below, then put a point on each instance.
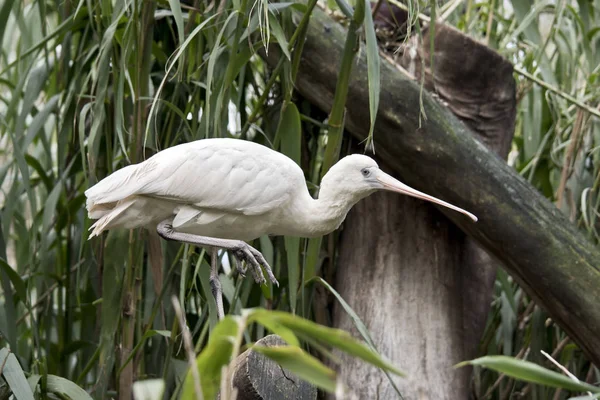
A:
(538, 246)
(258, 378)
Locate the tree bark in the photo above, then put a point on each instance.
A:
(538, 246)
(258, 378)
(437, 283)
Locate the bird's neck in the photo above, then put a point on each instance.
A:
(317, 217)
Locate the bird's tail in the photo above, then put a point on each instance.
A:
(108, 216)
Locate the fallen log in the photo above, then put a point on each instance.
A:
(438, 154)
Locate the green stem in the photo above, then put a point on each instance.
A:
(300, 33)
(338, 110)
(134, 271)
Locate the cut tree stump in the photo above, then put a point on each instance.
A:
(258, 378)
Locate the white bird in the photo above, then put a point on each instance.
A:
(219, 193)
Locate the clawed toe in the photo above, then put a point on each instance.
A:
(239, 266)
(258, 255)
(255, 260)
(243, 255)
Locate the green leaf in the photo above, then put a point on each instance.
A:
(36, 80)
(279, 36)
(35, 164)
(334, 337)
(8, 315)
(112, 278)
(213, 358)
(14, 376)
(530, 372)
(345, 8)
(312, 258)
(40, 119)
(15, 278)
(302, 364)
(64, 388)
(290, 133)
(212, 62)
(373, 71)
(4, 14)
(278, 329)
(176, 8)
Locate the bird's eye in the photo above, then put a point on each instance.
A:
(365, 172)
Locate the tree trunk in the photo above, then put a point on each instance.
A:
(538, 246)
(425, 295)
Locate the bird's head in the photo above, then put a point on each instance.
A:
(357, 176)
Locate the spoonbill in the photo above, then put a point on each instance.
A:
(220, 193)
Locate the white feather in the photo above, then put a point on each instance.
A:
(234, 189)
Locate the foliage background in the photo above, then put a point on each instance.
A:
(77, 82)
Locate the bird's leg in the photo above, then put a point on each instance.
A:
(241, 251)
(215, 283)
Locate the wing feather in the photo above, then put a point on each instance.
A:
(223, 174)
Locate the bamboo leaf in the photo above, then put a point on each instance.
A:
(212, 359)
(4, 14)
(8, 317)
(279, 36)
(14, 376)
(176, 9)
(530, 372)
(64, 388)
(36, 79)
(280, 330)
(312, 258)
(302, 364)
(373, 71)
(290, 133)
(16, 280)
(112, 278)
(334, 337)
(40, 119)
(345, 8)
(212, 121)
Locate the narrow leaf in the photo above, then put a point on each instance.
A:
(176, 8)
(302, 364)
(280, 36)
(334, 337)
(64, 388)
(290, 133)
(14, 376)
(15, 279)
(213, 358)
(530, 372)
(373, 71)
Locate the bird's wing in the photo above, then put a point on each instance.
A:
(231, 178)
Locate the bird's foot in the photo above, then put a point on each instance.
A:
(255, 260)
